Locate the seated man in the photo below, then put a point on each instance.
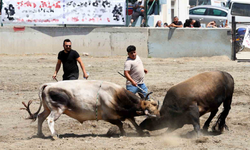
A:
(176, 23)
(138, 10)
(211, 24)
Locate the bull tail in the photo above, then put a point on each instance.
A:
(27, 107)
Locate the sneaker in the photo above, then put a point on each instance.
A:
(130, 25)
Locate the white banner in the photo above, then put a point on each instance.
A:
(246, 41)
(103, 12)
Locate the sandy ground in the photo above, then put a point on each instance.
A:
(20, 77)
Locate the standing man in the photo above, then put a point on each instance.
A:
(138, 10)
(134, 72)
(69, 57)
(176, 23)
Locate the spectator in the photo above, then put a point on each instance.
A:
(134, 72)
(195, 23)
(165, 25)
(187, 23)
(191, 23)
(69, 58)
(158, 24)
(138, 10)
(176, 23)
(154, 10)
(225, 24)
(211, 24)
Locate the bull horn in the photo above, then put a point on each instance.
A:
(149, 115)
(158, 104)
(148, 95)
(141, 95)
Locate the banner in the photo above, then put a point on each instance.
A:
(246, 41)
(99, 12)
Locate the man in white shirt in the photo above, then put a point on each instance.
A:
(134, 72)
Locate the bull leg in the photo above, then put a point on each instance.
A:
(138, 129)
(194, 115)
(222, 117)
(41, 118)
(54, 115)
(120, 126)
(212, 114)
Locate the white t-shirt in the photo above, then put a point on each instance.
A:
(136, 70)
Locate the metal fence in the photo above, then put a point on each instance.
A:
(234, 32)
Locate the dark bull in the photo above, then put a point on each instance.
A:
(185, 102)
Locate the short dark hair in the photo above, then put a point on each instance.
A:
(131, 48)
(66, 40)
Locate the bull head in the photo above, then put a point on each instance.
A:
(149, 107)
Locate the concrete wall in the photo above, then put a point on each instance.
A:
(188, 42)
(113, 41)
(95, 41)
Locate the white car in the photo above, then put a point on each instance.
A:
(208, 13)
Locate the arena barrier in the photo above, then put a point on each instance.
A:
(113, 41)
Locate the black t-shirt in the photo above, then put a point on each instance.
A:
(178, 23)
(197, 24)
(69, 62)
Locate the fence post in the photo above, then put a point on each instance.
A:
(127, 21)
(146, 14)
(1, 12)
(233, 38)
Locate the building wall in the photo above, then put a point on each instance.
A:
(181, 9)
(113, 41)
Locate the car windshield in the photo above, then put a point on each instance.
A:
(239, 9)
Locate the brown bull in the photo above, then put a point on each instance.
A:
(90, 100)
(185, 102)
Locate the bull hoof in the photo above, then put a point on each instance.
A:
(40, 135)
(55, 137)
(123, 134)
(145, 134)
(113, 131)
(204, 131)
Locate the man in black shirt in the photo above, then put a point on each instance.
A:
(176, 23)
(69, 58)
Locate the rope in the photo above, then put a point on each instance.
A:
(97, 96)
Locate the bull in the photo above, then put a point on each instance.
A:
(185, 102)
(90, 100)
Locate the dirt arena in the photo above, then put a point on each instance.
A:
(21, 76)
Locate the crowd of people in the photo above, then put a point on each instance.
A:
(138, 10)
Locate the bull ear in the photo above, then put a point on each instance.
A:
(148, 95)
(141, 95)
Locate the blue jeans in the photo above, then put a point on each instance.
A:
(135, 89)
